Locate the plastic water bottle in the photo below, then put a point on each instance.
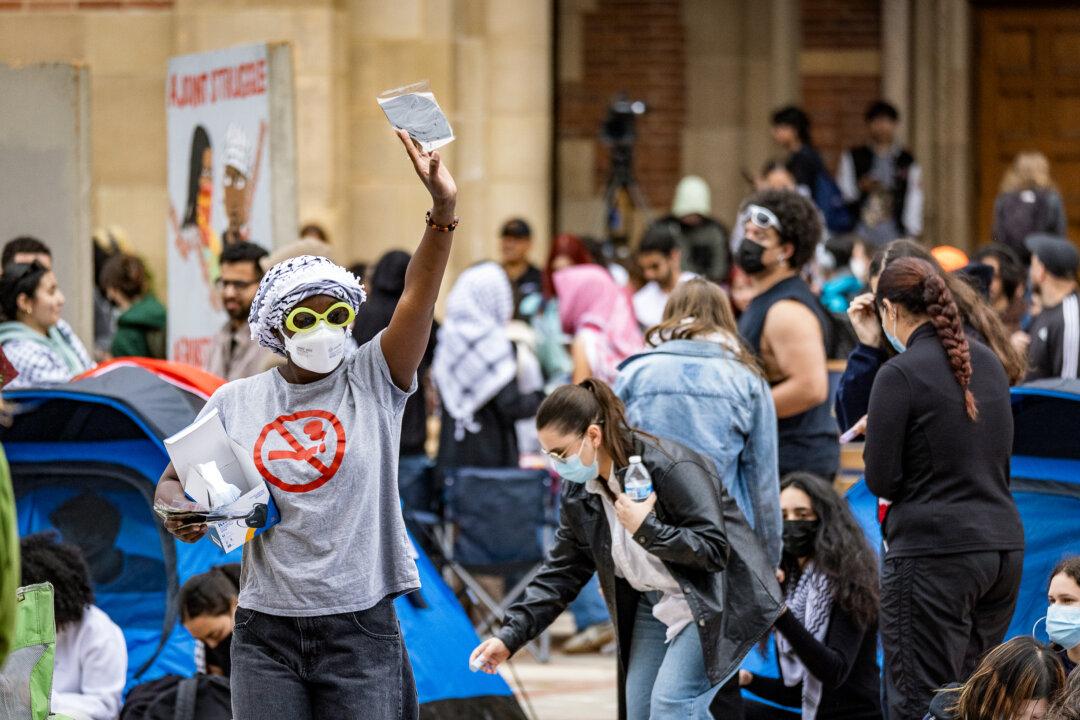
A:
(638, 482)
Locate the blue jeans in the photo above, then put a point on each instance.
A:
(589, 608)
(331, 666)
(666, 681)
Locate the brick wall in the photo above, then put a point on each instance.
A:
(837, 100)
(636, 46)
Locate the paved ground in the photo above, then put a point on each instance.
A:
(569, 687)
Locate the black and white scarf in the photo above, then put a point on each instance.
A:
(474, 358)
(811, 604)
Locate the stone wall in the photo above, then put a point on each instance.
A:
(488, 61)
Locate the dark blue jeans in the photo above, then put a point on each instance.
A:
(352, 665)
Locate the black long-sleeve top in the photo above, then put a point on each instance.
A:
(946, 475)
(495, 445)
(846, 664)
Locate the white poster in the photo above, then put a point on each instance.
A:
(221, 178)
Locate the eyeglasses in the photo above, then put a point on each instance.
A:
(237, 285)
(302, 319)
(763, 217)
(561, 457)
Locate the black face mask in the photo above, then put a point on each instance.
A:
(799, 536)
(220, 656)
(749, 257)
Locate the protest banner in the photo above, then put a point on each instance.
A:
(231, 176)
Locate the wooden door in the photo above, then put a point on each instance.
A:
(1028, 99)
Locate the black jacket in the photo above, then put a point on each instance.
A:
(948, 477)
(846, 664)
(495, 445)
(699, 534)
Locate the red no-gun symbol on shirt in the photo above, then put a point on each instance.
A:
(303, 457)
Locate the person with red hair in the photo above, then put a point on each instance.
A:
(567, 250)
(938, 441)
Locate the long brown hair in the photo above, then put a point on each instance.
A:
(697, 308)
(919, 287)
(976, 311)
(1010, 675)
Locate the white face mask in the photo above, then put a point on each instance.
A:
(319, 351)
(859, 268)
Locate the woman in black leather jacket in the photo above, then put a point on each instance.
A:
(686, 581)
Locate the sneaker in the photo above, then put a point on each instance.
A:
(591, 639)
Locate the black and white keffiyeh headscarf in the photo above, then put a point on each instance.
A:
(291, 282)
(474, 358)
(811, 604)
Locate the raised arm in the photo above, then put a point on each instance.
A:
(406, 339)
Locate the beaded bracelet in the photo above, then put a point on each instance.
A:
(442, 228)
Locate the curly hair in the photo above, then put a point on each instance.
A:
(800, 221)
(841, 550)
(1067, 706)
(919, 287)
(975, 310)
(45, 559)
(210, 593)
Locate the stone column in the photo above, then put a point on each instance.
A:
(896, 59)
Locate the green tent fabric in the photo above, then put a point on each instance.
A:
(9, 559)
(26, 679)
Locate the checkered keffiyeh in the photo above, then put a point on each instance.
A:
(474, 358)
(811, 603)
(291, 282)
(40, 361)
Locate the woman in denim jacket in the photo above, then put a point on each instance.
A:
(699, 385)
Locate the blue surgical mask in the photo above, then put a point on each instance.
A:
(1063, 625)
(574, 470)
(893, 340)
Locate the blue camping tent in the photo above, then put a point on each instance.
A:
(1046, 486)
(85, 458)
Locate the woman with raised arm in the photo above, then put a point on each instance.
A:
(938, 439)
(316, 635)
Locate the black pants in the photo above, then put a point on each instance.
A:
(727, 704)
(352, 665)
(939, 615)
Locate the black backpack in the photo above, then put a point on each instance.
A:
(203, 697)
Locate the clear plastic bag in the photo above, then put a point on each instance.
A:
(413, 108)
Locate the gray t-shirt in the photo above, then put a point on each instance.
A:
(328, 451)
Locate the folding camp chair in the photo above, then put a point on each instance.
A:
(27, 675)
(497, 521)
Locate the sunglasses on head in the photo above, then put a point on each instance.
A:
(763, 217)
(302, 319)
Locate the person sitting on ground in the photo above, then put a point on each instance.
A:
(1007, 284)
(660, 259)
(91, 654)
(827, 639)
(476, 373)
(140, 329)
(208, 611)
(1067, 706)
(25, 250)
(1063, 614)
(40, 345)
(1054, 349)
(1015, 681)
(233, 352)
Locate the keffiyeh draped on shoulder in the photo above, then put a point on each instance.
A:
(474, 358)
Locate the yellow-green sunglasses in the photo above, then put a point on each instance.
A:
(302, 319)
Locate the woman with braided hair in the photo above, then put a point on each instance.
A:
(938, 441)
